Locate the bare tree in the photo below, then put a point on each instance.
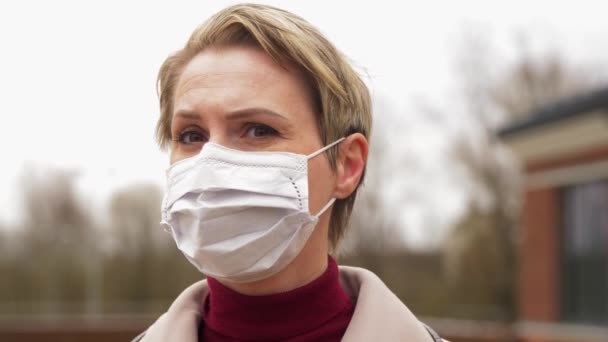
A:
(145, 256)
(480, 255)
(56, 235)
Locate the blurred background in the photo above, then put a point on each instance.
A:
(485, 207)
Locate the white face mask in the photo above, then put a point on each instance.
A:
(240, 216)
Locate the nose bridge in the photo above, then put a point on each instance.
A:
(219, 132)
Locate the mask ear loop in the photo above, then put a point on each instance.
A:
(316, 153)
(324, 209)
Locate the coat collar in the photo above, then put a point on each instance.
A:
(379, 315)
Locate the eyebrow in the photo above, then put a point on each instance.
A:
(187, 115)
(251, 112)
(234, 115)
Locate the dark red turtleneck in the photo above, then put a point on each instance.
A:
(318, 311)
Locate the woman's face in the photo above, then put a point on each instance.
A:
(239, 97)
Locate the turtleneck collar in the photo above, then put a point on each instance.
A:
(276, 316)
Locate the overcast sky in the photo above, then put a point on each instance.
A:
(77, 78)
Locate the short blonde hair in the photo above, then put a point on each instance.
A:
(342, 100)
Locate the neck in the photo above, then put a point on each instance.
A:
(310, 264)
(318, 309)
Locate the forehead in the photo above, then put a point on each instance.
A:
(237, 72)
(215, 64)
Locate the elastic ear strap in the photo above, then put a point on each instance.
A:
(324, 209)
(314, 154)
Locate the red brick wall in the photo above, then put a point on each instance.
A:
(540, 261)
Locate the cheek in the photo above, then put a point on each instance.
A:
(177, 152)
(175, 156)
(172, 156)
(321, 181)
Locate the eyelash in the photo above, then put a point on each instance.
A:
(270, 131)
(248, 126)
(183, 134)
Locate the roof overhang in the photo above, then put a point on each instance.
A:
(568, 136)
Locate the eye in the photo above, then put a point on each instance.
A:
(260, 131)
(191, 137)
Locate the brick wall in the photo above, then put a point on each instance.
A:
(540, 261)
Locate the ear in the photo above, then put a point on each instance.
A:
(350, 164)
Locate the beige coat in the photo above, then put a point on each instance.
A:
(379, 315)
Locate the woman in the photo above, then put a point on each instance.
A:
(267, 126)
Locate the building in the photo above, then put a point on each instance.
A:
(563, 276)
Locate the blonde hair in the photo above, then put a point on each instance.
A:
(342, 100)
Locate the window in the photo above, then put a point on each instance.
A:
(585, 253)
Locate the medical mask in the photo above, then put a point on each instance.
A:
(240, 216)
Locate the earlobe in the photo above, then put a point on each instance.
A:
(350, 166)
